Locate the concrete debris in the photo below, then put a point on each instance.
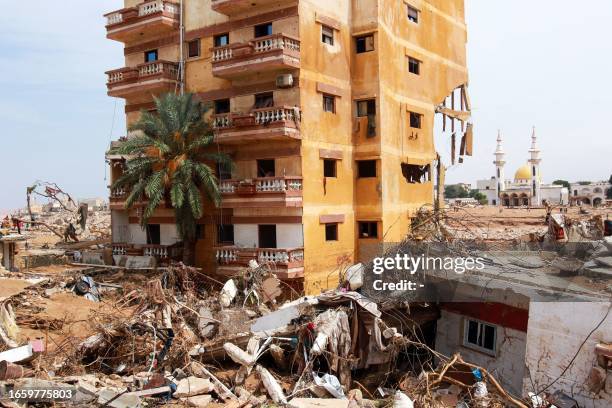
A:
(191, 386)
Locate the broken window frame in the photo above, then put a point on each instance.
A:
(329, 103)
(330, 168)
(416, 174)
(331, 232)
(414, 65)
(365, 167)
(364, 43)
(413, 14)
(367, 229)
(327, 35)
(193, 48)
(153, 234)
(481, 340)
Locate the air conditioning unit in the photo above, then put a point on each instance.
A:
(284, 81)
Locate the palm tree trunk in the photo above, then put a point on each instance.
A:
(189, 252)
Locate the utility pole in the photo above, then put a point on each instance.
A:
(182, 49)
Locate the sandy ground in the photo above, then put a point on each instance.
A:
(10, 287)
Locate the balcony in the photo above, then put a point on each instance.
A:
(270, 53)
(234, 7)
(163, 253)
(117, 199)
(142, 81)
(276, 123)
(288, 263)
(149, 19)
(262, 192)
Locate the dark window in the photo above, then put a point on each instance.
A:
(415, 120)
(329, 103)
(151, 56)
(331, 232)
(199, 232)
(498, 173)
(366, 108)
(413, 14)
(222, 106)
(263, 30)
(264, 100)
(480, 335)
(364, 43)
(225, 234)
(224, 171)
(221, 40)
(327, 35)
(534, 171)
(193, 48)
(366, 168)
(266, 168)
(153, 234)
(414, 66)
(329, 168)
(368, 229)
(267, 236)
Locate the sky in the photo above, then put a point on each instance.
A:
(543, 63)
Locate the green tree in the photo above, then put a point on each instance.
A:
(563, 183)
(609, 193)
(584, 183)
(167, 164)
(478, 196)
(455, 191)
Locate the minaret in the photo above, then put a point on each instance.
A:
(534, 161)
(500, 179)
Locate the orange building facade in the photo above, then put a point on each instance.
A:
(326, 107)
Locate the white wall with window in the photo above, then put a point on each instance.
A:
(286, 236)
(501, 350)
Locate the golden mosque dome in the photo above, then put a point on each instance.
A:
(524, 173)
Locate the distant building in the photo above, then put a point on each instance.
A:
(590, 194)
(527, 188)
(95, 204)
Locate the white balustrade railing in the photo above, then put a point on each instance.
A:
(151, 7)
(232, 255)
(115, 77)
(273, 115)
(227, 255)
(114, 18)
(265, 185)
(120, 249)
(222, 54)
(157, 251)
(276, 42)
(227, 187)
(118, 193)
(158, 67)
(222, 121)
(271, 185)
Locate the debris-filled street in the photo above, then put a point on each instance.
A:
(129, 331)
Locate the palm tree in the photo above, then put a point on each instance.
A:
(167, 163)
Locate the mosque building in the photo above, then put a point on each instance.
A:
(527, 188)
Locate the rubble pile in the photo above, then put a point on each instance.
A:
(120, 338)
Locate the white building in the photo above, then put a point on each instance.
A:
(590, 194)
(527, 188)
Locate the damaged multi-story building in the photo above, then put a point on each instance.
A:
(326, 108)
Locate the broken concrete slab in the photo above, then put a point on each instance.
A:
(17, 354)
(192, 386)
(118, 399)
(198, 401)
(318, 403)
(605, 261)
